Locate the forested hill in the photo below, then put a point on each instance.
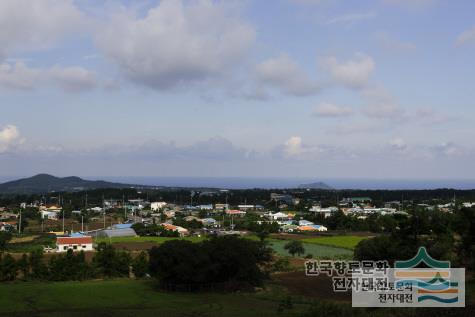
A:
(45, 183)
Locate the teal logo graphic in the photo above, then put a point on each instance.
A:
(433, 283)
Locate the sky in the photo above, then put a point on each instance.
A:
(252, 88)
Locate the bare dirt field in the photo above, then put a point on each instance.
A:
(310, 286)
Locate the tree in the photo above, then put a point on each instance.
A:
(295, 247)
(140, 265)
(227, 259)
(8, 268)
(38, 268)
(4, 238)
(109, 262)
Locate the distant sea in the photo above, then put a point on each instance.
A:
(268, 183)
(280, 182)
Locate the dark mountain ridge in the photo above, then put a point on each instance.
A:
(45, 183)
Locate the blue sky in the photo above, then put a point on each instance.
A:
(314, 88)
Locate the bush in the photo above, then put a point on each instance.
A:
(140, 265)
(109, 262)
(219, 260)
(295, 247)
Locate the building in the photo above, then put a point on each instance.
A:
(312, 228)
(209, 222)
(221, 206)
(235, 213)
(326, 212)
(181, 231)
(76, 243)
(288, 199)
(119, 232)
(51, 215)
(157, 205)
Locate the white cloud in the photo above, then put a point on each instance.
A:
(32, 25)
(73, 79)
(286, 75)
(9, 137)
(330, 110)
(351, 18)
(293, 146)
(70, 79)
(176, 43)
(353, 73)
(18, 76)
(466, 37)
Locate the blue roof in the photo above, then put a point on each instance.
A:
(76, 234)
(122, 225)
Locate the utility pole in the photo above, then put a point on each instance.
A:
(82, 223)
(19, 224)
(62, 210)
(125, 210)
(104, 211)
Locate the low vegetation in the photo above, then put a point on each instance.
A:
(346, 242)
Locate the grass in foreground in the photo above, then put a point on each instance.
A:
(128, 298)
(346, 242)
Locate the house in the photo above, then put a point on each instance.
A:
(209, 222)
(305, 223)
(221, 206)
(246, 207)
(235, 213)
(278, 216)
(51, 215)
(76, 243)
(312, 228)
(181, 231)
(95, 209)
(205, 207)
(157, 205)
(7, 225)
(289, 228)
(326, 212)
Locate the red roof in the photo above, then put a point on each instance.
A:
(73, 240)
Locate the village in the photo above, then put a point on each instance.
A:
(78, 229)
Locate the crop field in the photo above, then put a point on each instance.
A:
(346, 242)
(317, 251)
(129, 298)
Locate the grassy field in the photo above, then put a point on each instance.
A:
(346, 242)
(317, 251)
(30, 243)
(129, 298)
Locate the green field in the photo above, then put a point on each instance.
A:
(317, 251)
(347, 242)
(128, 298)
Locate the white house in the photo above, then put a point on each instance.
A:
(278, 215)
(84, 243)
(157, 205)
(46, 214)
